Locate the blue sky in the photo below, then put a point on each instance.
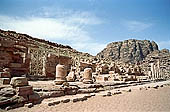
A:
(89, 25)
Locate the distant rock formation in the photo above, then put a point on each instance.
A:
(128, 51)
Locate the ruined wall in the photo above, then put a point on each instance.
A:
(52, 61)
(14, 55)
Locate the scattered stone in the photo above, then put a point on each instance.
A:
(56, 102)
(34, 98)
(4, 81)
(88, 96)
(90, 90)
(117, 92)
(156, 86)
(161, 85)
(75, 100)
(109, 94)
(29, 105)
(65, 100)
(56, 94)
(25, 90)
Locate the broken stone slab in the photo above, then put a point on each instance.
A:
(4, 100)
(19, 81)
(17, 105)
(56, 94)
(127, 90)
(75, 100)
(92, 94)
(70, 90)
(156, 86)
(34, 98)
(37, 89)
(83, 98)
(109, 94)
(101, 78)
(116, 92)
(24, 90)
(65, 100)
(44, 95)
(86, 86)
(88, 96)
(90, 90)
(29, 105)
(5, 81)
(5, 75)
(7, 92)
(19, 99)
(54, 103)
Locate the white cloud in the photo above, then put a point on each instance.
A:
(136, 26)
(69, 28)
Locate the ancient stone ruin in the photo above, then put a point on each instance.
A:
(24, 60)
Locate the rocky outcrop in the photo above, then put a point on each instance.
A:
(128, 51)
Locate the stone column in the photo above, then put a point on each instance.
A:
(153, 71)
(87, 77)
(158, 69)
(61, 74)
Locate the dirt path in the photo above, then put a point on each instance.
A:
(155, 100)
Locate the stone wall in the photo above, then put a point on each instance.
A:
(13, 55)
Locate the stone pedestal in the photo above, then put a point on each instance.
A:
(87, 77)
(24, 90)
(19, 81)
(61, 73)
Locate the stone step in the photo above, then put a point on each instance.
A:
(66, 99)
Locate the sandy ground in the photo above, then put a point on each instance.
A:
(155, 100)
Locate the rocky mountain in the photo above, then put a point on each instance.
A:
(128, 51)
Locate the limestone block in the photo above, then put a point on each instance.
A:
(19, 81)
(101, 79)
(65, 100)
(5, 75)
(23, 91)
(56, 94)
(15, 65)
(70, 90)
(4, 81)
(90, 90)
